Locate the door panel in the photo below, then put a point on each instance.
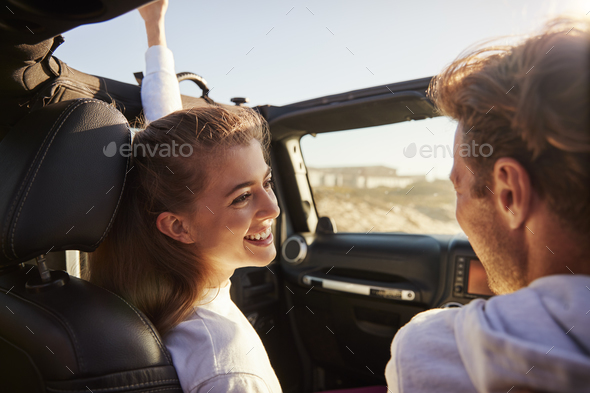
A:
(352, 332)
(380, 260)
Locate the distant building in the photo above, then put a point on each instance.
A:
(360, 177)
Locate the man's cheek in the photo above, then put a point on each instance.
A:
(460, 209)
(467, 216)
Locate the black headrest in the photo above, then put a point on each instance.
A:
(59, 187)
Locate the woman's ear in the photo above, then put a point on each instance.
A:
(174, 226)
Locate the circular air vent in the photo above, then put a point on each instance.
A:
(294, 249)
(451, 305)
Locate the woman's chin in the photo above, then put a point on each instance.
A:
(262, 252)
(266, 258)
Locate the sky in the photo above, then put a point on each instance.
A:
(280, 52)
(384, 145)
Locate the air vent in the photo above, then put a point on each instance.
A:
(294, 249)
(451, 305)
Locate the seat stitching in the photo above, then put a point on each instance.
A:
(146, 324)
(13, 230)
(124, 179)
(70, 109)
(79, 103)
(7, 222)
(59, 318)
(63, 320)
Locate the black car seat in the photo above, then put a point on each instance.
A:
(59, 190)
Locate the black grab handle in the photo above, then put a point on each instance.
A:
(199, 80)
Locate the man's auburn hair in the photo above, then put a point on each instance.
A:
(529, 102)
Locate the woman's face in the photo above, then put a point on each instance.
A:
(239, 201)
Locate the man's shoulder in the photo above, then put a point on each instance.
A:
(497, 341)
(428, 328)
(424, 355)
(554, 294)
(542, 326)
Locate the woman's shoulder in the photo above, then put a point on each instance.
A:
(208, 328)
(209, 344)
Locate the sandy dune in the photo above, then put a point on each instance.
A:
(428, 207)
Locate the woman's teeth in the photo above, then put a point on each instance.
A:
(259, 236)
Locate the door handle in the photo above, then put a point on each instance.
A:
(401, 291)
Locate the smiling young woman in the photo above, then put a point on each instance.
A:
(182, 222)
(184, 225)
(188, 218)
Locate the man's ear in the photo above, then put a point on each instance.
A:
(512, 190)
(174, 226)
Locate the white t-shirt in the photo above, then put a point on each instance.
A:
(217, 350)
(537, 338)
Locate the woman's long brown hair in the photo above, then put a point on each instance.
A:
(159, 275)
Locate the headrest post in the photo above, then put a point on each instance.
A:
(43, 270)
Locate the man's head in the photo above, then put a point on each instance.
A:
(530, 102)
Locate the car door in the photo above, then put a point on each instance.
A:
(346, 281)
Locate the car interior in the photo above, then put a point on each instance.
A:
(326, 309)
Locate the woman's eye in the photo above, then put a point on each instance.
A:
(241, 198)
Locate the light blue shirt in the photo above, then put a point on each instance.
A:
(537, 338)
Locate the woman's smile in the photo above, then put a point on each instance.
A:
(262, 242)
(259, 235)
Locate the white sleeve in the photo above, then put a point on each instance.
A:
(237, 382)
(160, 94)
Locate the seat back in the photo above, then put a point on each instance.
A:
(60, 189)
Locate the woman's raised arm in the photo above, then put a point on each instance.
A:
(160, 94)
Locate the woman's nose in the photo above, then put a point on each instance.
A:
(269, 207)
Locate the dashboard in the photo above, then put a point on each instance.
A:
(471, 279)
(465, 278)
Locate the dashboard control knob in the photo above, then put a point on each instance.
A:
(458, 288)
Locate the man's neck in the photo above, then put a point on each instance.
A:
(555, 249)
